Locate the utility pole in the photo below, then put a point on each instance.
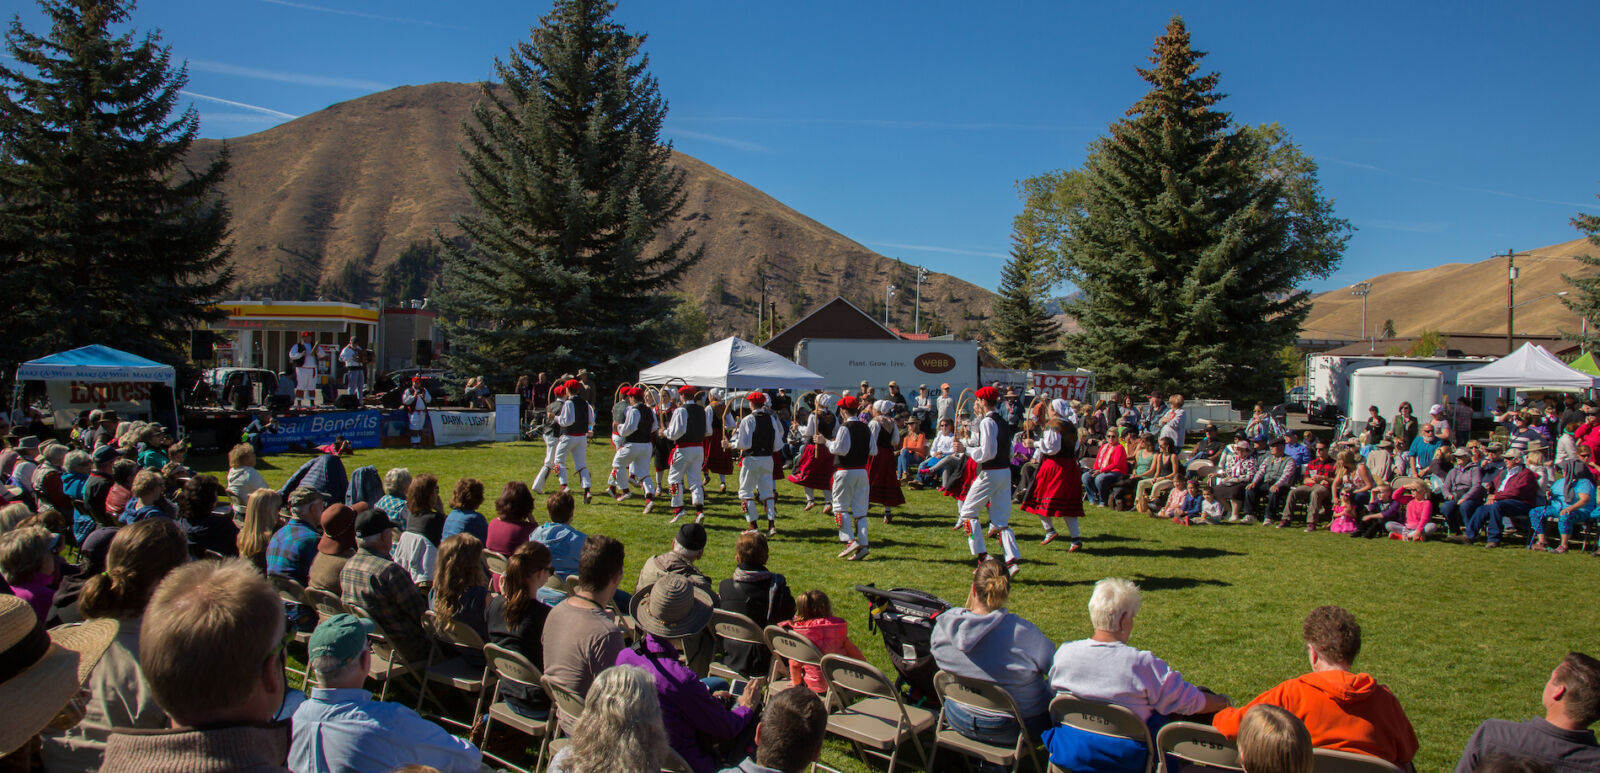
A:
(1363, 289)
(922, 276)
(1511, 295)
(888, 292)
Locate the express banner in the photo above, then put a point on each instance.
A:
(319, 429)
(461, 426)
(130, 399)
(1065, 386)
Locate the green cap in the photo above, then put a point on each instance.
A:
(342, 637)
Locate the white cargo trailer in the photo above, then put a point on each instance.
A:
(1329, 379)
(1387, 386)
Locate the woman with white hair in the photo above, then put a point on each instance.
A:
(1104, 667)
(620, 730)
(396, 482)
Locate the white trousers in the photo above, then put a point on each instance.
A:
(992, 488)
(850, 492)
(631, 464)
(755, 482)
(551, 462)
(683, 471)
(575, 448)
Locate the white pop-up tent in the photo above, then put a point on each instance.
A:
(732, 363)
(1530, 367)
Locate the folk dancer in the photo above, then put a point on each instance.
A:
(815, 468)
(757, 436)
(661, 445)
(990, 449)
(719, 452)
(634, 449)
(1058, 485)
(884, 485)
(687, 431)
(303, 356)
(415, 401)
(575, 421)
(852, 447)
(355, 371)
(551, 432)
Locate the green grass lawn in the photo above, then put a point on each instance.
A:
(1459, 634)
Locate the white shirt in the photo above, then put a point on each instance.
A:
(349, 356)
(1117, 673)
(840, 444)
(303, 356)
(416, 399)
(680, 421)
(745, 437)
(569, 415)
(947, 407)
(1049, 443)
(630, 422)
(984, 444)
(925, 401)
(943, 444)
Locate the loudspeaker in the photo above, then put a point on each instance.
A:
(200, 345)
(424, 349)
(278, 403)
(346, 402)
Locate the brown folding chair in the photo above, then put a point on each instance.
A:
(878, 724)
(512, 667)
(450, 668)
(387, 662)
(734, 627)
(292, 592)
(1335, 761)
(1101, 718)
(1198, 746)
(986, 697)
(496, 562)
(788, 645)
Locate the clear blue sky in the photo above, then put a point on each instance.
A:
(1444, 133)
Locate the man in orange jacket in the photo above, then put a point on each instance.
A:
(1343, 710)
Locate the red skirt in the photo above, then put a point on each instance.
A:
(815, 469)
(1057, 489)
(969, 473)
(883, 485)
(777, 466)
(719, 460)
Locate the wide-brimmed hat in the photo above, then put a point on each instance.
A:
(28, 443)
(338, 529)
(47, 668)
(671, 608)
(1386, 444)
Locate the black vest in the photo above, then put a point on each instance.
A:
(825, 424)
(762, 436)
(885, 438)
(694, 425)
(580, 417)
(1002, 445)
(860, 446)
(647, 424)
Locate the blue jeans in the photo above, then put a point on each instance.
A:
(1489, 518)
(1456, 516)
(907, 461)
(988, 728)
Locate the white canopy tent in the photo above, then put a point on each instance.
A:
(1530, 367)
(732, 363)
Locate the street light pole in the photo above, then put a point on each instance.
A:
(1363, 289)
(922, 275)
(888, 292)
(1511, 294)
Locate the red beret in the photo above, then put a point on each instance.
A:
(573, 385)
(849, 403)
(415, 379)
(987, 394)
(306, 333)
(687, 391)
(559, 391)
(757, 398)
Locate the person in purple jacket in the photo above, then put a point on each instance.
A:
(701, 726)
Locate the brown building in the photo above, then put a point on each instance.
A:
(837, 318)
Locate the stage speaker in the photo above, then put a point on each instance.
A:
(346, 402)
(279, 403)
(424, 349)
(200, 345)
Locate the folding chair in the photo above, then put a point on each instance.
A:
(292, 592)
(387, 662)
(1334, 761)
(512, 667)
(1101, 718)
(788, 645)
(881, 722)
(737, 628)
(326, 603)
(453, 669)
(495, 561)
(1197, 745)
(988, 697)
(568, 704)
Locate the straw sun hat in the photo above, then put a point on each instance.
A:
(41, 671)
(672, 608)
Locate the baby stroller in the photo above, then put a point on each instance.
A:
(905, 618)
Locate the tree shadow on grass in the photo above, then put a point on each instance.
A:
(1187, 551)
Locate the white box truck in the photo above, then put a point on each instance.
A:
(846, 362)
(1330, 379)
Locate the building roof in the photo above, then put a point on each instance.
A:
(838, 318)
(1460, 345)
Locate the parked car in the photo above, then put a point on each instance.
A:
(1297, 400)
(237, 388)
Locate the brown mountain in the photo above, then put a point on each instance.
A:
(329, 200)
(1459, 297)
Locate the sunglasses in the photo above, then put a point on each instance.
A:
(283, 646)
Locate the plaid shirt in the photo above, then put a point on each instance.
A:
(385, 591)
(291, 550)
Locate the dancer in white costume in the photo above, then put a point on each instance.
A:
(852, 448)
(687, 431)
(989, 446)
(757, 437)
(634, 448)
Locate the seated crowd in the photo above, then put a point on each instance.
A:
(182, 662)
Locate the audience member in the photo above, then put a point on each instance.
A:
(261, 523)
(565, 543)
(43, 674)
(27, 561)
(147, 500)
(581, 638)
(123, 471)
(206, 529)
(513, 523)
(464, 517)
(97, 489)
(813, 619)
(396, 482)
(294, 546)
(687, 548)
(92, 554)
(374, 582)
(243, 477)
(621, 728)
(334, 548)
(790, 734)
(418, 548)
(341, 729)
(986, 641)
(1560, 739)
(214, 655)
(1272, 740)
(141, 556)
(1513, 492)
(758, 594)
(700, 727)
(461, 588)
(517, 619)
(1342, 710)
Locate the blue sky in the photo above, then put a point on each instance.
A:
(1445, 132)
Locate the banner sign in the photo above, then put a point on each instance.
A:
(1065, 386)
(320, 429)
(130, 399)
(461, 426)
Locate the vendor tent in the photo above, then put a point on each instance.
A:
(732, 363)
(1530, 367)
(100, 364)
(1586, 364)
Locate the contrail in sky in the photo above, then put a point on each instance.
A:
(257, 108)
(361, 15)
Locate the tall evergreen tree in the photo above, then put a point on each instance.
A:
(1586, 300)
(107, 236)
(1188, 236)
(570, 183)
(1023, 330)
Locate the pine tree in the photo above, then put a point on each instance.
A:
(107, 236)
(1022, 328)
(1586, 298)
(1187, 237)
(570, 182)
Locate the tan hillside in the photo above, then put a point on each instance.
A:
(1458, 297)
(361, 180)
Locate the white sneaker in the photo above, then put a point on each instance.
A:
(860, 555)
(699, 517)
(849, 549)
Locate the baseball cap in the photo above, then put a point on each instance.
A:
(341, 637)
(691, 536)
(372, 522)
(104, 454)
(303, 495)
